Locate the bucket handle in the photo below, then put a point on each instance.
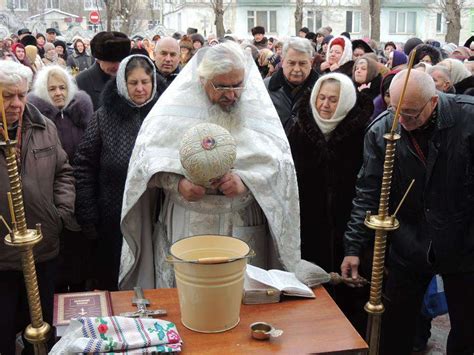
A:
(210, 260)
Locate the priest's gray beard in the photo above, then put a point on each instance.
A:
(230, 120)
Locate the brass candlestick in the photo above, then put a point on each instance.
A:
(382, 223)
(38, 332)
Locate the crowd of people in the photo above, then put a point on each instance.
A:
(98, 123)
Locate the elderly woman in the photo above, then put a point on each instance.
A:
(102, 158)
(51, 55)
(48, 197)
(326, 142)
(366, 76)
(56, 96)
(338, 56)
(462, 79)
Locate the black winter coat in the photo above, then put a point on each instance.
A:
(101, 165)
(93, 81)
(436, 231)
(282, 97)
(326, 172)
(70, 122)
(465, 86)
(102, 158)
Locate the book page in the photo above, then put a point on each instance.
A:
(260, 275)
(289, 284)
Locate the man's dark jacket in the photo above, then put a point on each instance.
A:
(436, 231)
(284, 97)
(166, 80)
(93, 81)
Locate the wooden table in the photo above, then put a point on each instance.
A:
(309, 326)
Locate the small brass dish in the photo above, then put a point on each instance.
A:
(264, 331)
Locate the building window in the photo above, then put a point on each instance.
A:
(152, 24)
(402, 22)
(52, 4)
(440, 23)
(353, 19)
(90, 5)
(314, 20)
(267, 19)
(18, 5)
(155, 4)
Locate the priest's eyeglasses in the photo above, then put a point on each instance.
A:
(223, 89)
(410, 116)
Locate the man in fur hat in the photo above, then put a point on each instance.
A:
(260, 41)
(108, 48)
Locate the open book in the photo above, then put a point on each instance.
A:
(262, 286)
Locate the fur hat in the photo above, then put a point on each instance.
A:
(423, 50)
(410, 44)
(29, 40)
(186, 42)
(191, 31)
(60, 44)
(348, 35)
(324, 31)
(390, 43)
(141, 51)
(197, 38)
(258, 30)
(360, 43)
(110, 46)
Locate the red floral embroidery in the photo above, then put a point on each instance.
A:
(173, 336)
(102, 328)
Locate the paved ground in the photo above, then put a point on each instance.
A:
(439, 334)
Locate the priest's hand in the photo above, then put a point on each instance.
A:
(190, 191)
(231, 185)
(350, 268)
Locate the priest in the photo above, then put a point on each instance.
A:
(256, 201)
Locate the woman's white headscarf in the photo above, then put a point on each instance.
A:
(456, 68)
(347, 100)
(346, 53)
(122, 88)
